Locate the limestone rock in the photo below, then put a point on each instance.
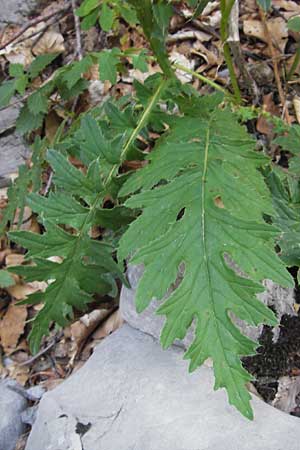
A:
(132, 395)
(13, 149)
(12, 404)
(14, 11)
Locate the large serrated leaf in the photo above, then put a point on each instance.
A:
(191, 218)
(286, 198)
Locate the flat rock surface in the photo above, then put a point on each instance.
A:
(13, 150)
(14, 11)
(132, 395)
(12, 404)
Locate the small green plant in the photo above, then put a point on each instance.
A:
(201, 198)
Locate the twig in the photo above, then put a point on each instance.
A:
(295, 64)
(225, 11)
(48, 185)
(183, 36)
(206, 28)
(203, 78)
(77, 31)
(34, 22)
(235, 46)
(43, 351)
(275, 64)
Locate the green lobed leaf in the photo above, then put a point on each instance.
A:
(294, 24)
(86, 7)
(264, 4)
(286, 199)
(73, 74)
(6, 279)
(128, 13)
(40, 63)
(7, 90)
(106, 18)
(290, 142)
(37, 103)
(16, 70)
(190, 218)
(28, 121)
(108, 60)
(140, 61)
(90, 20)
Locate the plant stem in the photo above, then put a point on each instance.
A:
(142, 121)
(275, 65)
(295, 64)
(204, 79)
(225, 11)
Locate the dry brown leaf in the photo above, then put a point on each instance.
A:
(84, 327)
(26, 219)
(182, 60)
(212, 59)
(50, 42)
(288, 390)
(296, 103)
(51, 125)
(21, 52)
(3, 254)
(278, 31)
(12, 326)
(19, 373)
(22, 290)
(263, 125)
(114, 322)
(14, 259)
(287, 5)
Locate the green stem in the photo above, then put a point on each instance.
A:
(204, 79)
(142, 121)
(225, 11)
(295, 63)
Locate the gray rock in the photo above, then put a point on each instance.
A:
(14, 11)
(35, 393)
(148, 322)
(12, 404)
(13, 149)
(132, 395)
(28, 416)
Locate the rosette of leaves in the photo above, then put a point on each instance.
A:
(201, 198)
(82, 265)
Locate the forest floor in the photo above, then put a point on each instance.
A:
(195, 42)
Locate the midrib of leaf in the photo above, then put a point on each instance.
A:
(81, 232)
(205, 257)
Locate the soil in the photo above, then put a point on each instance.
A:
(274, 360)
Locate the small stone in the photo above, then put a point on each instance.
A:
(35, 393)
(131, 394)
(12, 404)
(262, 73)
(14, 11)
